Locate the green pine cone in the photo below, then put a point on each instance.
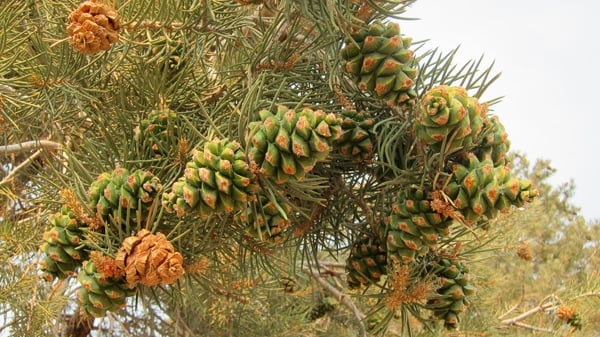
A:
(451, 297)
(448, 119)
(265, 221)
(366, 264)
(287, 144)
(158, 130)
(413, 226)
(379, 61)
(358, 139)
(122, 196)
(493, 142)
(218, 179)
(99, 293)
(62, 246)
(479, 189)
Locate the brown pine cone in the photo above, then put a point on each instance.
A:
(149, 259)
(93, 27)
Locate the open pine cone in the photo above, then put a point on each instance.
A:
(149, 259)
(93, 27)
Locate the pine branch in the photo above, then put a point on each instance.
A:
(542, 306)
(29, 145)
(341, 297)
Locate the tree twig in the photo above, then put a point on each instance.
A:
(542, 306)
(341, 297)
(19, 167)
(532, 327)
(29, 145)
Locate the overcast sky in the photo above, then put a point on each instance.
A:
(547, 51)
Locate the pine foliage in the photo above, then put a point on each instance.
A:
(237, 167)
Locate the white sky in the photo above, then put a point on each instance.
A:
(547, 51)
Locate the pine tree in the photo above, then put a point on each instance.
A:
(233, 167)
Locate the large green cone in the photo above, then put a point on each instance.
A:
(358, 139)
(494, 142)
(479, 190)
(451, 297)
(158, 131)
(218, 179)
(448, 119)
(99, 293)
(63, 246)
(123, 197)
(366, 264)
(265, 220)
(287, 144)
(378, 59)
(413, 226)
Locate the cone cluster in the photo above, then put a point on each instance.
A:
(449, 119)
(379, 60)
(480, 190)
(366, 264)
(100, 293)
(218, 179)
(413, 226)
(287, 144)
(157, 130)
(122, 196)
(451, 297)
(358, 139)
(149, 259)
(62, 246)
(265, 221)
(93, 27)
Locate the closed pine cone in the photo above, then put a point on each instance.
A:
(93, 27)
(149, 259)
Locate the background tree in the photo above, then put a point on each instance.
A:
(271, 168)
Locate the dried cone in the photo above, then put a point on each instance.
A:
(149, 259)
(62, 246)
(93, 27)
